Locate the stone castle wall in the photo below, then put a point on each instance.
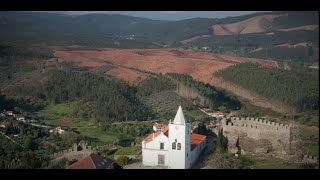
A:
(258, 136)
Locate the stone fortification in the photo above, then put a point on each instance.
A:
(259, 136)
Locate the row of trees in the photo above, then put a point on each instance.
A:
(17, 52)
(218, 97)
(298, 88)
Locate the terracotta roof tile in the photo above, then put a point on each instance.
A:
(93, 161)
(165, 131)
(196, 139)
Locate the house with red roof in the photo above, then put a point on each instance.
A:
(174, 146)
(93, 161)
(5, 124)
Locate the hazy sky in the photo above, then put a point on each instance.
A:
(168, 15)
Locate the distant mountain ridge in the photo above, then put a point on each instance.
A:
(113, 30)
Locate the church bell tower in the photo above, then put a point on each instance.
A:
(179, 142)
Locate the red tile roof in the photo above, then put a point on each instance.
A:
(6, 123)
(165, 131)
(196, 139)
(93, 161)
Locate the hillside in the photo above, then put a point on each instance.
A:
(298, 88)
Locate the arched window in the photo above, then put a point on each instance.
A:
(173, 145)
(179, 146)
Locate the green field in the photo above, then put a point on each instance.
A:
(96, 133)
(310, 142)
(68, 110)
(128, 150)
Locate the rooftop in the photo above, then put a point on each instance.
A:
(93, 161)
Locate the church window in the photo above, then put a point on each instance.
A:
(179, 146)
(161, 146)
(173, 145)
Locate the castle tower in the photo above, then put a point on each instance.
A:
(179, 142)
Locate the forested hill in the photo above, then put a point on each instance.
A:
(298, 88)
(50, 25)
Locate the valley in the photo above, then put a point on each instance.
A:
(100, 83)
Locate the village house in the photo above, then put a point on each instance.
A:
(93, 161)
(20, 118)
(174, 146)
(8, 113)
(218, 115)
(232, 114)
(57, 130)
(5, 124)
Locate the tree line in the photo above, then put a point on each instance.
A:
(298, 88)
(218, 97)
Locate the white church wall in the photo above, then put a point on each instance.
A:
(151, 150)
(150, 157)
(179, 132)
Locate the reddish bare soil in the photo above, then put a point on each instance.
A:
(255, 50)
(287, 45)
(309, 128)
(131, 76)
(197, 64)
(307, 27)
(255, 24)
(193, 39)
(64, 122)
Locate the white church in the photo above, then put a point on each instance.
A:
(173, 146)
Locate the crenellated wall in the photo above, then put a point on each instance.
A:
(256, 136)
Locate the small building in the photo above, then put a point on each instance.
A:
(218, 115)
(20, 118)
(8, 113)
(57, 130)
(5, 124)
(232, 114)
(93, 161)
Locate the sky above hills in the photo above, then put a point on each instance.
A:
(167, 15)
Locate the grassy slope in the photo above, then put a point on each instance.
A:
(310, 141)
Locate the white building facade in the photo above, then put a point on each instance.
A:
(174, 146)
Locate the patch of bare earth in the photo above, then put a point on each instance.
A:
(307, 27)
(199, 65)
(256, 50)
(287, 45)
(270, 33)
(131, 76)
(309, 128)
(255, 24)
(64, 122)
(193, 39)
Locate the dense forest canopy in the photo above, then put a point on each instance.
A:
(298, 88)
